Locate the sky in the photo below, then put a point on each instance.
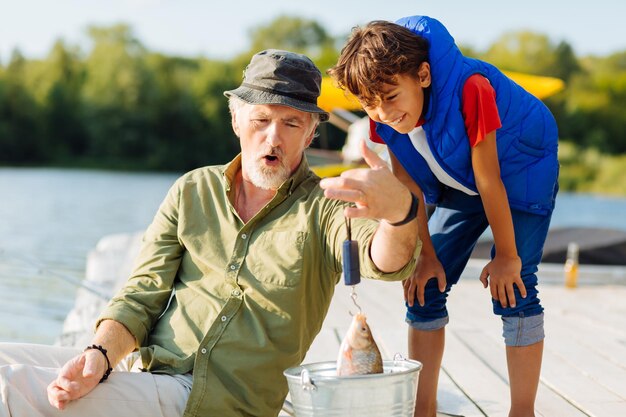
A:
(220, 29)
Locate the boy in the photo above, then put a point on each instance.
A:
(467, 139)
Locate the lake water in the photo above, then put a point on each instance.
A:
(51, 219)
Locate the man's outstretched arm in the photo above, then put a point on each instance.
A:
(378, 194)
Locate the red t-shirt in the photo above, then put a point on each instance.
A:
(478, 107)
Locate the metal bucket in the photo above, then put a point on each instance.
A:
(316, 390)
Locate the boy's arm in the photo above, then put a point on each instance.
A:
(428, 265)
(504, 270)
(422, 220)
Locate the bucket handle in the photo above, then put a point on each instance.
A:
(306, 381)
(398, 357)
(307, 385)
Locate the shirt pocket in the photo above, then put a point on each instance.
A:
(276, 257)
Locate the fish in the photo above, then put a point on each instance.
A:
(359, 354)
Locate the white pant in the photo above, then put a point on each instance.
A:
(27, 369)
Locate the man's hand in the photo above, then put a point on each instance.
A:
(501, 274)
(76, 378)
(375, 191)
(378, 194)
(428, 267)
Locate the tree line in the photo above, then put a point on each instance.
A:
(119, 105)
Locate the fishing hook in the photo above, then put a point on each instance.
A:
(353, 296)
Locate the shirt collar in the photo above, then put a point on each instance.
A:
(422, 118)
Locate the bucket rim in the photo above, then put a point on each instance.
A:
(296, 371)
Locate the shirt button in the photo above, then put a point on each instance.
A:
(244, 236)
(233, 267)
(236, 293)
(224, 318)
(203, 351)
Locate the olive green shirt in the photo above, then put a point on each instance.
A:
(247, 300)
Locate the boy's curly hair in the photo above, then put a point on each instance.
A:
(374, 55)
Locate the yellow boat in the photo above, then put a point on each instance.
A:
(337, 102)
(332, 97)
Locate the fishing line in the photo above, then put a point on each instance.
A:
(42, 270)
(351, 264)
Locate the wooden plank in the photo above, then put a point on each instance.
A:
(583, 357)
(475, 377)
(601, 306)
(480, 330)
(549, 402)
(325, 347)
(609, 334)
(470, 312)
(392, 341)
(584, 368)
(579, 351)
(579, 389)
(604, 337)
(453, 401)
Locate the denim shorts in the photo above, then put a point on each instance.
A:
(455, 226)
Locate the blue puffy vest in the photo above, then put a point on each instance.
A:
(527, 141)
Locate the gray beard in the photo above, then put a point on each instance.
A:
(266, 178)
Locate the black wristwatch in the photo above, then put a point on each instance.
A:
(411, 214)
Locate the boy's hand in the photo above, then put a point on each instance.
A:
(503, 272)
(428, 267)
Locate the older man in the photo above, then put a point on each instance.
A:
(235, 275)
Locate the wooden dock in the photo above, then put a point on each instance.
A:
(584, 364)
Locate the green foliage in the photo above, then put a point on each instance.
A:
(587, 170)
(119, 105)
(578, 169)
(522, 51)
(291, 33)
(591, 112)
(565, 63)
(532, 53)
(595, 107)
(62, 103)
(119, 95)
(298, 35)
(611, 178)
(20, 118)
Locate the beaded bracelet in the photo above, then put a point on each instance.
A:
(104, 352)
